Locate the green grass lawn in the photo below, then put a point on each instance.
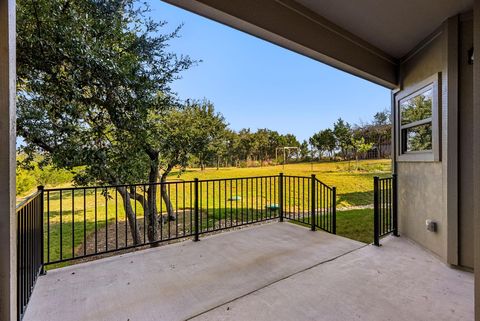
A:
(353, 224)
(356, 224)
(354, 187)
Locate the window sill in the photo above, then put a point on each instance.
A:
(418, 157)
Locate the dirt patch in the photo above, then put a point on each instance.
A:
(117, 235)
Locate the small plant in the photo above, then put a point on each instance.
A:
(360, 146)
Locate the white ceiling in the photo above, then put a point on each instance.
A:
(394, 26)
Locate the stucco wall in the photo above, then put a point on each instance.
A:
(421, 198)
(421, 184)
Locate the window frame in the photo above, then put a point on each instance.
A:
(432, 155)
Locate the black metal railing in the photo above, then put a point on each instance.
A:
(63, 224)
(309, 201)
(385, 207)
(87, 221)
(29, 247)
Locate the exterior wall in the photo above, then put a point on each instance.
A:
(421, 184)
(421, 198)
(466, 143)
(442, 190)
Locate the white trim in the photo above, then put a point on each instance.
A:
(417, 123)
(420, 156)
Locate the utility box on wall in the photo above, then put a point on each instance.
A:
(431, 225)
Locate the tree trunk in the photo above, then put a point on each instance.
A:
(152, 219)
(150, 209)
(130, 215)
(166, 197)
(378, 147)
(150, 203)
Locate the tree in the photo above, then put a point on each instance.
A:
(317, 143)
(262, 142)
(343, 132)
(381, 118)
(93, 89)
(324, 141)
(182, 132)
(378, 132)
(244, 144)
(204, 127)
(288, 140)
(230, 139)
(415, 109)
(304, 150)
(219, 148)
(329, 141)
(360, 147)
(274, 141)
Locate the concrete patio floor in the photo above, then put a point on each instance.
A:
(276, 271)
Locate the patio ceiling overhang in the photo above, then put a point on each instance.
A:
(365, 38)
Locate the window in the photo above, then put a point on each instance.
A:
(416, 117)
(417, 123)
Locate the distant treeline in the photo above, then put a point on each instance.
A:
(343, 141)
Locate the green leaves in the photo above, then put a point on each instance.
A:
(417, 108)
(360, 146)
(342, 131)
(324, 141)
(93, 77)
(193, 129)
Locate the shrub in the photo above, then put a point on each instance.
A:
(25, 182)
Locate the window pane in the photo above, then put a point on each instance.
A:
(418, 138)
(417, 108)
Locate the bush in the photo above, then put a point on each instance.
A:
(29, 179)
(49, 176)
(25, 182)
(242, 164)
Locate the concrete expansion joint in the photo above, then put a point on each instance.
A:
(275, 282)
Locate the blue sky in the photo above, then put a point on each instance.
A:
(256, 84)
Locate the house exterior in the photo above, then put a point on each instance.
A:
(423, 50)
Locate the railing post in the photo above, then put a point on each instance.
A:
(395, 205)
(196, 239)
(41, 189)
(280, 195)
(312, 214)
(376, 216)
(334, 210)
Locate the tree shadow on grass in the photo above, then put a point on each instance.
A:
(74, 239)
